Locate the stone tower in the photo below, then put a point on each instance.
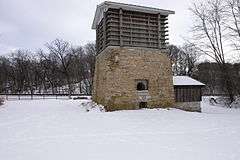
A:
(131, 69)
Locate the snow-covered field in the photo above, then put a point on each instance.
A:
(72, 129)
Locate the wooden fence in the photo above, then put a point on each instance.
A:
(17, 96)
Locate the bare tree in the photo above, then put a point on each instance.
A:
(209, 74)
(190, 55)
(49, 71)
(91, 53)
(210, 32)
(4, 72)
(233, 12)
(183, 59)
(60, 50)
(174, 54)
(78, 67)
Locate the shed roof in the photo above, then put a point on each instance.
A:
(130, 7)
(186, 81)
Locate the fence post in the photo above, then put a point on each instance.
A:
(18, 96)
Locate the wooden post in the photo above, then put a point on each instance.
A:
(159, 33)
(104, 30)
(6, 94)
(120, 27)
(97, 47)
(148, 43)
(131, 36)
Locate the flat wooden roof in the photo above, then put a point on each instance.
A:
(101, 8)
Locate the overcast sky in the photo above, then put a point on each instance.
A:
(30, 24)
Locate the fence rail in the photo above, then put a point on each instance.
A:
(217, 94)
(17, 96)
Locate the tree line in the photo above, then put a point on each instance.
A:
(61, 68)
(210, 74)
(215, 32)
(185, 61)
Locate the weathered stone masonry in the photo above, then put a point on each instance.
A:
(119, 68)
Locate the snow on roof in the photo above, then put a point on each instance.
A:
(107, 4)
(186, 81)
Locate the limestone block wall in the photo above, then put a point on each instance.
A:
(118, 69)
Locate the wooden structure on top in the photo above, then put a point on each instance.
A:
(119, 24)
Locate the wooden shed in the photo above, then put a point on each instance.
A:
(188, 93)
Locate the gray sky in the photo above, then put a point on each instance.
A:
(31, 23)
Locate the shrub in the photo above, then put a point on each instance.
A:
(1, 101)
(236, 103)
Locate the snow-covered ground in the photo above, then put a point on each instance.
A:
(77, 129)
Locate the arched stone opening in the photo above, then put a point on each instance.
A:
(142, 85)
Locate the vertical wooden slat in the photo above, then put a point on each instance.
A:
(120, 26)
(193, 94)
(200, 97)
(97, 40)
(104, 30)
(159, 29)
(176, 93)
(131, 30)
(185, 94)
(148, 43)
(181, 95)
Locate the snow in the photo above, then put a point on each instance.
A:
(79, 129)
(185, 80)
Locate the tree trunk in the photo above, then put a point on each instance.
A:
(227, 81)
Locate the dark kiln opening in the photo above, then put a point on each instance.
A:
(142, 105)
(142, 85)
